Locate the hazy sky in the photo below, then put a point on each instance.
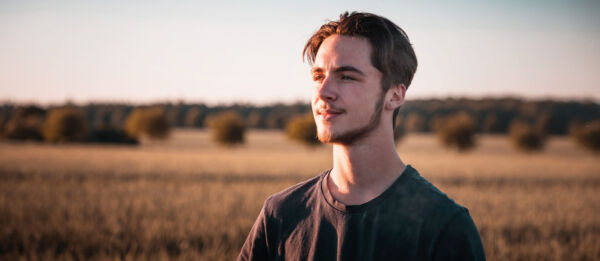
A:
(236, 51)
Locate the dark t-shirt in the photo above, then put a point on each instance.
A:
(411, 220)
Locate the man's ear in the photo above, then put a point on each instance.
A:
(396, 95)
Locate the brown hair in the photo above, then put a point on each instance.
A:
(392, 52)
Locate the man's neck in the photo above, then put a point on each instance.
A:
(363, 170)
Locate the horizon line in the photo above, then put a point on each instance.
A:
(53, 103)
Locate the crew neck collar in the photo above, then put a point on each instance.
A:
(351, 209)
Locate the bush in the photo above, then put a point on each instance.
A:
(587, 135)
(25, 123)
(65, 125)
(227, 128)
(457, 131)
(526, 137)
(151, 122)
(302, 128)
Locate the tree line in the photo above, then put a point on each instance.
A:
(105, 122)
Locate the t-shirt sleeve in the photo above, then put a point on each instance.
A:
(459, 240)
(255, 247)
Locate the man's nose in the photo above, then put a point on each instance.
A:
(326, 90)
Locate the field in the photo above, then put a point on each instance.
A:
(187, 198)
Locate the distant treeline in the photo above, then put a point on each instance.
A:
(490, 115)
(495, 115)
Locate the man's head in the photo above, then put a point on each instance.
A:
(385, 48)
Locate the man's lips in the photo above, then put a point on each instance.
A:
(327, 114)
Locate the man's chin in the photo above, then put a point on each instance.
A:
(325, 137)
(331, 138)
(347, 137)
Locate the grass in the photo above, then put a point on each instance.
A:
(187, 198)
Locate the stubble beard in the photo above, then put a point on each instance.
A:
(351, 136)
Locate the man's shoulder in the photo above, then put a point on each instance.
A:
(294, 198)
(429, 201)
(447, 223)
(423, 190)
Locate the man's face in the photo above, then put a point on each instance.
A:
(347, 97)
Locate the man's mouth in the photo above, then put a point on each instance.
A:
(329, 114)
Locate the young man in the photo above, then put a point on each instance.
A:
(370, 205)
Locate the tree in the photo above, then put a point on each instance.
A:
(276, 119)
(587, 135)
(525, 137)
(25, 123)
(491, 124)
(151, 122)
(194, 117)
(302, 128)
(65, 125)
(399, 130)
(227, 128)
(414, 123)
(457, 131)
(256, 120)
(546, 124)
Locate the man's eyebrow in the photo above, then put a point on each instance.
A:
(346, 68)
(316, 70)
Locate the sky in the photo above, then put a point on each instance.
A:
(250, 51)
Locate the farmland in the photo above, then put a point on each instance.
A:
(187, 198)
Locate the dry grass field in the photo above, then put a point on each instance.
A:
(187, 198)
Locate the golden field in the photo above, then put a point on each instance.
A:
(187, 198)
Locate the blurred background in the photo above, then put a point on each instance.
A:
(156, 130)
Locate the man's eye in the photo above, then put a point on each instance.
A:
(317, 78)
(348, 78)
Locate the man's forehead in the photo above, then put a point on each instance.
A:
(343, 51)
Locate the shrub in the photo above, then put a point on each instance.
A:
(302, 128)
(65, 125)
(457, 131)
(151, 122)
(526, 137)
(587, 135)
(227, 128)
(25, 123)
